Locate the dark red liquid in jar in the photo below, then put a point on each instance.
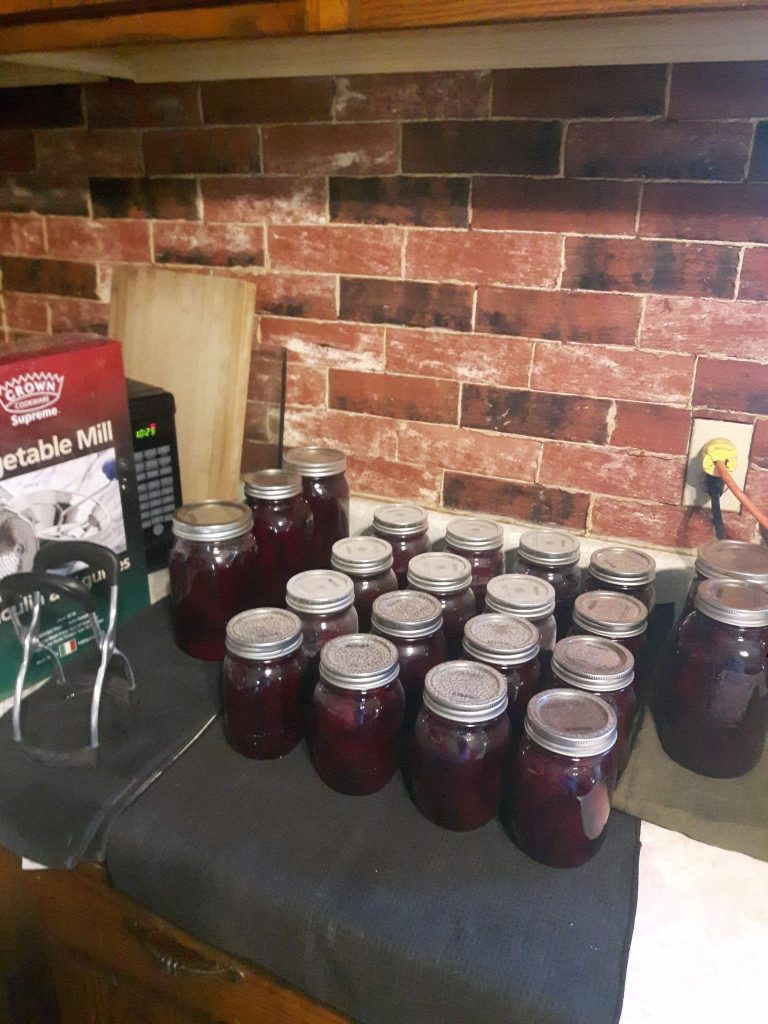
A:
(523, 681)
(458, 609)
(645, 592)
(403, 550)
(283, 531)
(636, 645)
(262, 704)
(566, 580)
(624, 703)
(416, 657)
(485, 565)
(623, 570)
(367, 589)
(328, 497)
(447, 577)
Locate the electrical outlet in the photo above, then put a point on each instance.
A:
(702, 432)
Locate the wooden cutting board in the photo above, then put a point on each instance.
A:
(192, 335)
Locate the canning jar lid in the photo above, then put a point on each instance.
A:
(272, 484)
(211, 520)
(319, 590)
(313, 460)
(410, 614)
(593, 663)
(439, 572)
(400, 520)
(465, 691)
(571, 722)
(361, 556)
(732, 601)
(520, 594)
(501, 639)
(733, 560)
(610, 614)
(359, 661)
(474, 534)
(624, 566)
(263, 634)
(549, 547)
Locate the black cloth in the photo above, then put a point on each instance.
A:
(59, 815)
(366, 906)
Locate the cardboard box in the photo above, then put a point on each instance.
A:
(66, 472)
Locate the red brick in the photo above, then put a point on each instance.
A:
(331, 149)
(759, 453)
(78, 315)
(383, 479)
(202, 151)
(25, 312)
(336, 249)
(756, 487)
(17, 151)
(705, 327)
(121, 104)
(268, 200)
(753, 283)
(81, 239)
(555, 204)
(44, 193)
(411, 303)
(159, 198)
(614, 373)
(48, 277)
(727, 384)
(658, 149)
(209, 245)
(103, 153)
(481, 147)
(530, 502)
(41, 106)
(653, 428)
(496, 257)
(579, 91)
(414, 96)
(260, 100)
(398, 397)
(728, 213)
(706, 91)
(559, 316)
(427, 444)
(637, 265)
(369, 436)
(354, 346)
(664, 525)
(480, 358)
(296, 295)
(535, 414)
(305, 385)
(758, 166)
(421, 201)
(21, 235)
(608, 471)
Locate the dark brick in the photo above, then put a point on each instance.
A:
(579, 91)
(264, 100)
(727, 213)
(531, 502)
(161, 198)
(753, 283)
(49, 277)
(131, 105)
(202, 151)
(41, 106)
(43, 193)
(637, 265)
(555, 204)
(397, 397)
(482, 147)
(731, 384)
(759, 454)
(707, 91)
(431, 95)
(425, 202)
(103, 153)
(413, 303)
(535, 413)
(335, 149)
(17, 151)
(758, 168)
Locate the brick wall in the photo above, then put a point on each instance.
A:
(505, 292)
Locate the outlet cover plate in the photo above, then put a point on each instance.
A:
(702, 432)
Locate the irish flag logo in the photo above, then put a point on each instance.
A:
(68, 647)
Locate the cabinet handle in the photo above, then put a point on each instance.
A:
(174, 959)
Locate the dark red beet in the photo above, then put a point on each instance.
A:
(262, 704)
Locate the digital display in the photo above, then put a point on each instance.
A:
(142, 433)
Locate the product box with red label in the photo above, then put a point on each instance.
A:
(66, 473)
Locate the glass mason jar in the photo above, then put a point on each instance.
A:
(481, 542)
(449, 578)
(511, 646)
(414, 624)
(529, 598)
(728, 560)
(282, 526)
(368, 563)
(263, 668)
(618, 617)
(459, 745)
(324, 601)
(626, 570)
(322, 472)
(553, 555)
(563, 778)
(606, 669)
(714, 709)
(405, 527)
(357, 714)
(213, 570)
